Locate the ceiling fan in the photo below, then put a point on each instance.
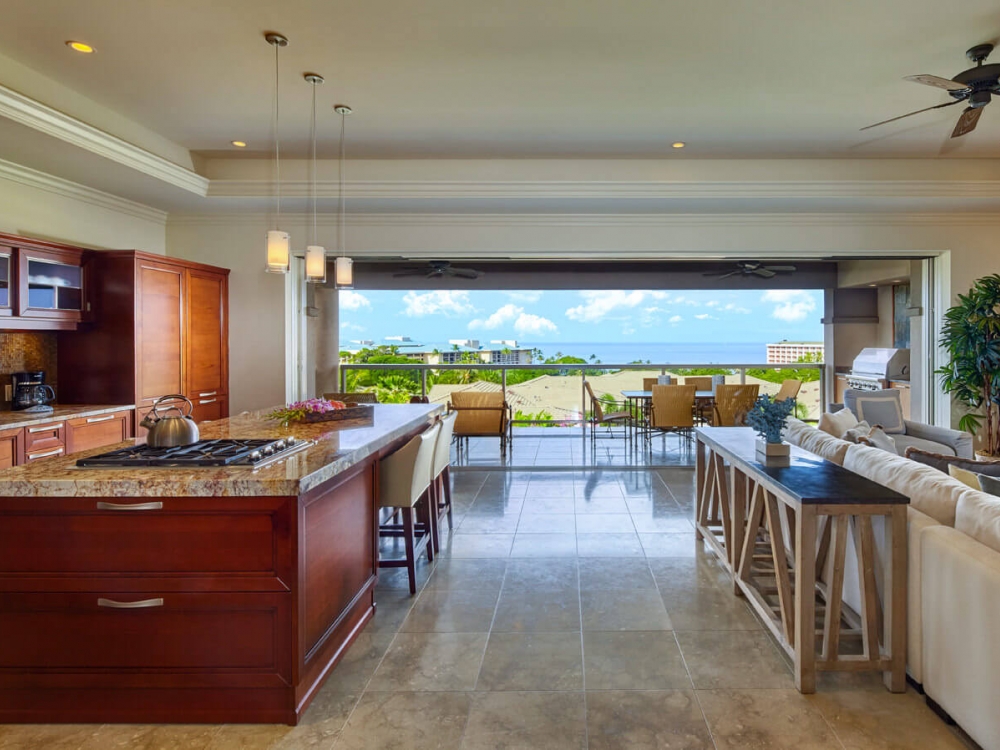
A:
(752, 268)
(975, 86)
(437, 269)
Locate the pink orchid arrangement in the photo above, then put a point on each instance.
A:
(297, 411)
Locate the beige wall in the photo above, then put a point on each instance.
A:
(64, 213)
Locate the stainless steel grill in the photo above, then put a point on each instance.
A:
(874, 367)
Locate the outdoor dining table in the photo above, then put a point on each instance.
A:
(635, 401)
(781, 528)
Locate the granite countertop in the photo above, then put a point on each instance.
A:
(11, 419)
(339, 446)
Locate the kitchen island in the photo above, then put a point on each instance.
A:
(215, 594)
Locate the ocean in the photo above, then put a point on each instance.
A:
(620, 353)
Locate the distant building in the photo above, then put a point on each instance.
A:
(790, 352)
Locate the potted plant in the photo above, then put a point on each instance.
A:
(971, 336)
(767, 417)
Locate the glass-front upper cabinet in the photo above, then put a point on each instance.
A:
(6, 278)
(50, 284)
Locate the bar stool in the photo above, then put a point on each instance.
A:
(404, 481)
(441, 476)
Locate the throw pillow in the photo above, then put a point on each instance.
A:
(878, 439)
(989, 485)
(860, 430)
(882, 407)
(838, 423)
(966, 477)
(941, 462)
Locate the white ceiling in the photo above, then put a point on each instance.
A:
(524, 78)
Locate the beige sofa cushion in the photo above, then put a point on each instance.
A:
(816, 441)
(837, 423)
(978, 516)
(931, 492)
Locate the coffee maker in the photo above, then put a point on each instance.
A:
(30, 392)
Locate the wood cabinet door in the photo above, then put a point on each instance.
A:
(51, 284)
(207, 334)
(159, 331)
(207, 409)
(85, 433)
(11, 448)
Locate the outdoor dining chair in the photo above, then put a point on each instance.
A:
(481, 414)
(789, 389)
(598, 418)
(732, 402)
(672, 409)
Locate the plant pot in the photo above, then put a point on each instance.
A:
(984, 456)
(773, 450)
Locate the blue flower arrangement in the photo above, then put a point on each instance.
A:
(768, 416)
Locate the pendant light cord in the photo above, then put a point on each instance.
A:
(277, 139)
(312, 135)
(341, 232)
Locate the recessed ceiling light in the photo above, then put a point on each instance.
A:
(239, 144)
(873, 285)
(678, 144)
(79, 46)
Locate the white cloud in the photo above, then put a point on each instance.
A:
(525, 296)
(438, 302)
(351, 300)
(533, 325)
(505, 314)
(675, 319)
(790, 305)
(598, 304)
(345, 326)
(733, 307)
(713, 303)
(705, 316)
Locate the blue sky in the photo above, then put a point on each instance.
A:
(583, 316)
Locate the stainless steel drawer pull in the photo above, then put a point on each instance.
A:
(101, 505)
(210, 393)
(47, 454)
(141, 604)
(91, 420)
(207, 401)
(46, 428)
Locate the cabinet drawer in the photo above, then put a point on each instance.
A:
(209, 407)
(44, 437)
(147, 631)
(150, 537)
(85, 433)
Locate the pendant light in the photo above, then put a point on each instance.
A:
(315, 253)
(344, 266)
(278, 244)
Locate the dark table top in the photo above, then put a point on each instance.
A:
(804, 476)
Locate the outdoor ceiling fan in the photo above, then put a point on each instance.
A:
(437, 269)
(976, 86)
(752, 268)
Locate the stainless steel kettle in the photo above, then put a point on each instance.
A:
(170, 431)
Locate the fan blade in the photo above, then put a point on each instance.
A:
(465, 273)
(937, 82)
(410, 272)
(909, 114)
(781, 269)
(764, 273)
(967, 122)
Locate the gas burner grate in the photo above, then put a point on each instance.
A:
(203, 453)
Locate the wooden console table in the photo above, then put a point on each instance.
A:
(781, 529)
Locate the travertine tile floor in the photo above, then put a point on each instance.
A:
(569, 610)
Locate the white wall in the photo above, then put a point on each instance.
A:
(52, 209)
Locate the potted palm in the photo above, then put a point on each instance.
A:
(971, 336)
(767, 417)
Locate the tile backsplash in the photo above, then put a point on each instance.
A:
(28, 350)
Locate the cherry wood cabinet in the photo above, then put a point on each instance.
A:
(43, 285)
(160, 326)
(84, 433)
(11, 447)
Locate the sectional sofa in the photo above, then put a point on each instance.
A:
(953, 623)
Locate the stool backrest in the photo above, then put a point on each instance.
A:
(673, 406)
(405, 474)
(442, 449)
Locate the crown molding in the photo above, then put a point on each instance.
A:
(605, 190)
(603, 220)
(75, 191)
(45, 119)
